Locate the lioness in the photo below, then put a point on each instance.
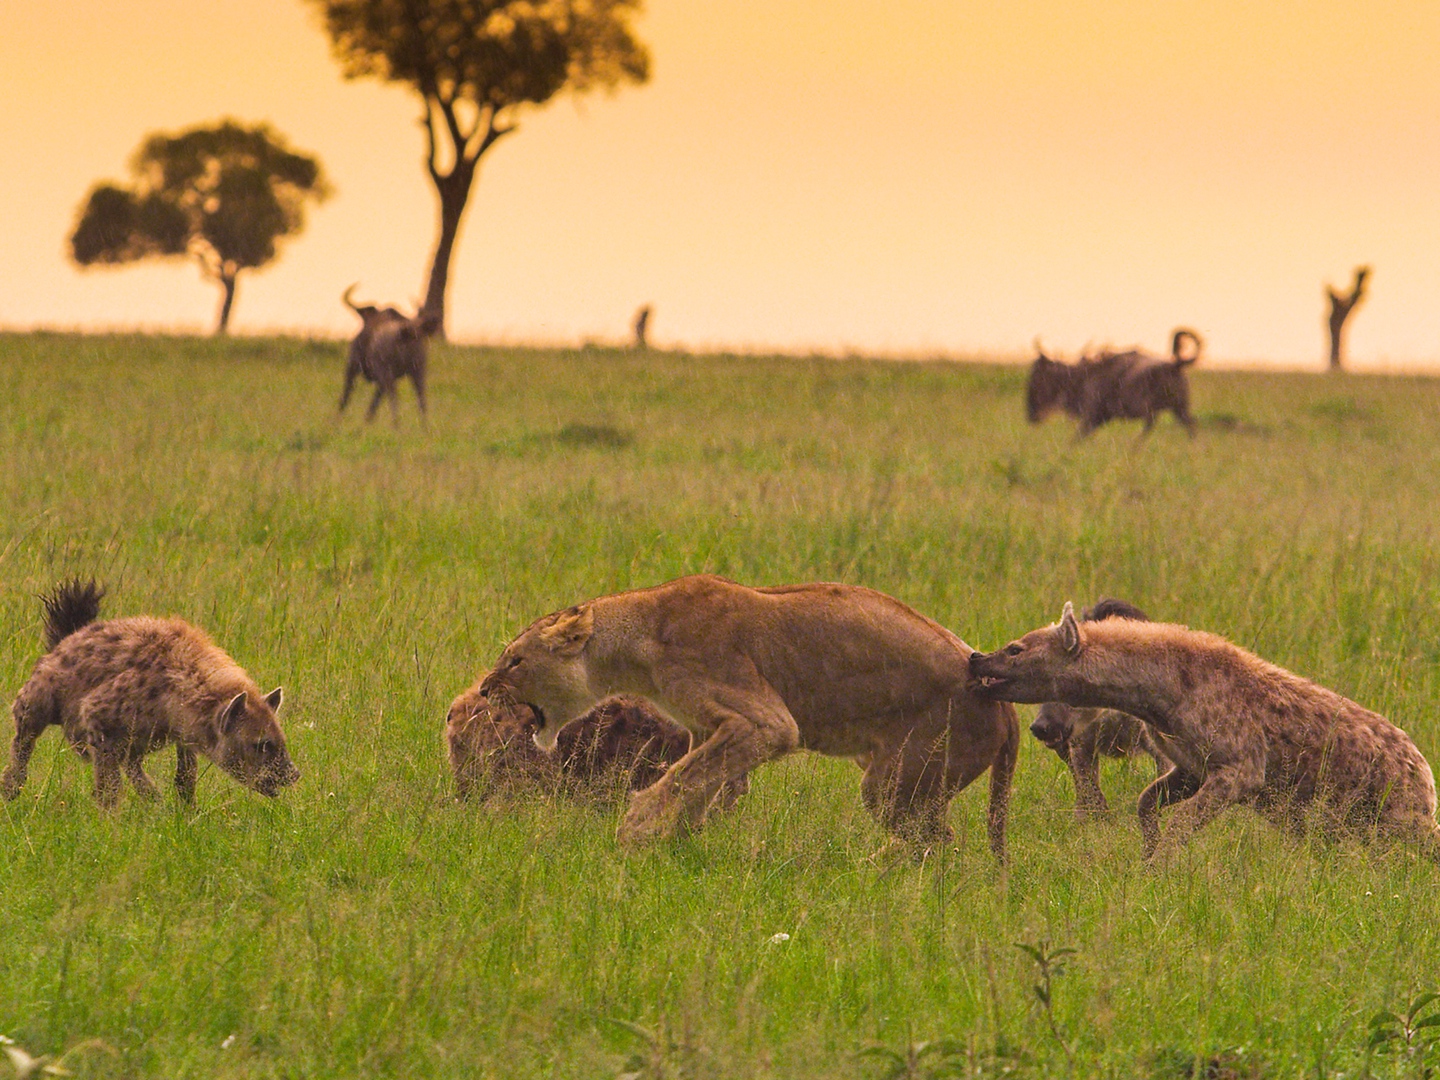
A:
(757, 673)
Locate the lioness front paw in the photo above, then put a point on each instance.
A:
(654, 814)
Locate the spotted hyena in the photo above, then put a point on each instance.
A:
(622, 740)
(1080, 737)
(124, 687)
(1238, 729)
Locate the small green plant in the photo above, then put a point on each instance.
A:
(1051, 964)
(1413, 1035)
(916, 1060)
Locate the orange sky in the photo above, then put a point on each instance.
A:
(905, 177)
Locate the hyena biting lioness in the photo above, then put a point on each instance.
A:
(1239, 729)
(124, 687)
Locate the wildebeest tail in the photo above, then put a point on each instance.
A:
(73, 604)
(1181, 336)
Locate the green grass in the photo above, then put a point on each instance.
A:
(366, 925)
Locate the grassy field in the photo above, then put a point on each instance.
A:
(365, 924)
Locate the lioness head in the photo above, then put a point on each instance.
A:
(490, 745)
(251, 746)
(545, 669)
(1030, 670)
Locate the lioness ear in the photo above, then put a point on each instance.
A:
(273, 699)
(568, 634)
(1069, 630)
(232, 712)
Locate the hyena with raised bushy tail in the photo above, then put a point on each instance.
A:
(124, 687)
(1238, 729)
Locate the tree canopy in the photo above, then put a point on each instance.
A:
(475, 63)
(223, 195)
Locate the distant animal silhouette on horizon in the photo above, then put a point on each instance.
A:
(642, 323)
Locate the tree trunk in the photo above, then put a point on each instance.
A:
(1340, 308)
(227, 282)
(454, 191)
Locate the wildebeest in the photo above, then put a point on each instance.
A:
(1128, 385)
(1080, 737)
(120, 688)
(389, 347)
(1238, 729)
(621, 742)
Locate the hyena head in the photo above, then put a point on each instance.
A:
(251, 747)
(545, 668)
(1034, 668)
(1056, 723)
(488, 742)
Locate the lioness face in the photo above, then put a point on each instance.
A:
(545, 668)
(1029, 670)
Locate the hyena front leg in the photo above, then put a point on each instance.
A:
(186, 768)
(1224, 786)
(106, 761)
(135, 770)
(1174, 786)
(1085, 771)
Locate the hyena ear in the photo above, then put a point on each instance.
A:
(274, 698)
(568, 634)
(232, 712)
(1069, 630)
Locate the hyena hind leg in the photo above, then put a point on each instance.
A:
(107, 777)
(27, 730)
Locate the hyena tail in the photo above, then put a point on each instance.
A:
(73, 604)
(1002, 772)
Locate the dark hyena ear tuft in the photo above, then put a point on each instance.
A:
(232, 713)
(273, 699)
(1069, 630)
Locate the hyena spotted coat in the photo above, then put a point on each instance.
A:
(122, 688)
(1238, 729)
(622, 739)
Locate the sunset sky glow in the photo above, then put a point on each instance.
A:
(907, 178)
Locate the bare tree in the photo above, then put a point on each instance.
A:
(1340, 308)
(222, 195)
(642, 324)
(475, 63)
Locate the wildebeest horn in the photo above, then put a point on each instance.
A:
(349, 302)
(1039, 348)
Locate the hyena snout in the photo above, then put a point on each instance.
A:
(1052, 727)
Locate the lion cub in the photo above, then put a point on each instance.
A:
(492, 747)
(124, 687)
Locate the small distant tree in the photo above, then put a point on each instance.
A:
(222, 195)
(475, 63)
(1340, 307)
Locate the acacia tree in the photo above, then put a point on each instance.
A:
(223, 195)
(475, 64)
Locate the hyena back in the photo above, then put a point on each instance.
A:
(1239, 730)
(122, 688)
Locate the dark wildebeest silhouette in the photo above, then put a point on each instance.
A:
(1115, 386)
(389, 347)
(1080, 737)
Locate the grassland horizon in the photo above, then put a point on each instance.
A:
(367, 924)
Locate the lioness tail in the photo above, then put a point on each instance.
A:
(73, 604)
